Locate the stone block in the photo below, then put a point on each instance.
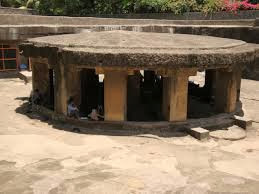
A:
(199, 133)
(243, 122)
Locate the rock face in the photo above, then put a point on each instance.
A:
(123, 49)
(40, 76)
(117, 54)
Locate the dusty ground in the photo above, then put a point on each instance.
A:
(36, 158)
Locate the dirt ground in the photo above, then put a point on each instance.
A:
(38, 158)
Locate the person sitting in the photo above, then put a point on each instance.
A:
(72, 110)
(95, 116)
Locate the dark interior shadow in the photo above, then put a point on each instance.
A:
(99, 128)
(239, 109)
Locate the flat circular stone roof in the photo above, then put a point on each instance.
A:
(137, 40)
(142, 50)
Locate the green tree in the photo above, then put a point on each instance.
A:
(66, 7)
(84, 7)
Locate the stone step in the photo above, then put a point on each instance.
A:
(243, 122)
(199, 133)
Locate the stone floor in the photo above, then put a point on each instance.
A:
(37, 158)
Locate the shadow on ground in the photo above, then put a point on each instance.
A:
(8, 75)
(25, 109)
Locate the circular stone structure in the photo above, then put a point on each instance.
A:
(145, 50)
(120, 54)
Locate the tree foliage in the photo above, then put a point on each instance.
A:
(84, 7)
(20, 3)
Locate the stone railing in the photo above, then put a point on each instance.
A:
(14, 19)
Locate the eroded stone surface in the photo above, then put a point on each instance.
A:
(233, 133)
(136, 40)
(139, 49)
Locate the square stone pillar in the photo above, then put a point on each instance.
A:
(60, 90)
(67, 84)
(73, 83)
(175, 94)
(115, 95)
(40, 74)
(226, 91)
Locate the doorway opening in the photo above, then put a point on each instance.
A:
(144, 96)
(92, 91)
(201, 95)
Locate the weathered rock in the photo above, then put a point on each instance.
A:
(243, 122)
(232, 133)
(199, 133)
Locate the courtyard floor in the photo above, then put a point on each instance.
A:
(38, 158)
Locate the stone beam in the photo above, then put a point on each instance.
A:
(172, 72)
(60, 87)
(115, 95)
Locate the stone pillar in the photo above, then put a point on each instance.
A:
(67, 84)
(115, 95)
(40, 74)
(175, 94)
(73, 83)
(60, 87)
(226, 91)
